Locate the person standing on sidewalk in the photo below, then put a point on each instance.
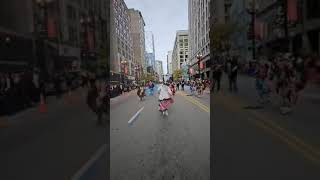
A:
(233, 75)
(182, 85)
(217, 74)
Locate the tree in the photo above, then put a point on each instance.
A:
(147, 77)
(177, 74)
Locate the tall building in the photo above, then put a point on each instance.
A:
(122, 68)
(137, 25)
(180, 53)
(169, 62)
(150, 51)
(198, 16)
(61, 35)
(159, 69)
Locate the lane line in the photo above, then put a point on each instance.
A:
(81, 172)
(197, 103)
(284, 131)
(287, 133)
(291, 140)
(135, 116)
(287, 140)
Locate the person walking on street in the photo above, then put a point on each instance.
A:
(178, 85)
(92, 99)
(141, 93)
(165, 98)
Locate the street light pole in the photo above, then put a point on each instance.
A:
(199, 57)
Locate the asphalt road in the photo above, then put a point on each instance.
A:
(156, 147)
(250, 144)
(54, 145)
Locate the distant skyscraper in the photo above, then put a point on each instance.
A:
(159, 69)
(169, 62)
(150, 50)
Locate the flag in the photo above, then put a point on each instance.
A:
(191, 71)
(90, 40)
(259, 29)
(292, 14)
(201, 65)
(51, 27)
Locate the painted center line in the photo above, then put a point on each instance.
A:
(130, 122)
(90, 163)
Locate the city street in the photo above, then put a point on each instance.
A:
(153, 146)
(259, 143)
(62, 143)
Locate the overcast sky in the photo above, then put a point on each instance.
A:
(163, 18)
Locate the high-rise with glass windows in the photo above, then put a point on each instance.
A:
(180, 52)
(198, 13)
(150, 52)
(121, 64)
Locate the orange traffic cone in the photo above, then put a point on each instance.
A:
(3, 123)
(42, 105)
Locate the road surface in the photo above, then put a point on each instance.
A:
(260, 143)
(156, 147)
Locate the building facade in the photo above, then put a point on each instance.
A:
(122, 56)
(180, 53)
(137, 25)
(198, 17)
(159, 69)
(63, 35)
(303, 27)
(169, 62)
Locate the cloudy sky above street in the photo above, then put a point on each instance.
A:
(163, 18)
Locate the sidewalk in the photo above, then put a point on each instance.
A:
(28, 115)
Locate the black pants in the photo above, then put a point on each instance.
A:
(217, 81)
(233, 83)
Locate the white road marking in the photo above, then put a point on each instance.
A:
(135, 116)
(90, 162)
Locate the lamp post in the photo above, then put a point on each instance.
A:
(42, 34)
(85, 22)
(199, 57)
(137, 68)
(123, 64)
(252, 10)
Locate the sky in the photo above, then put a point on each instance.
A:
(163, 18)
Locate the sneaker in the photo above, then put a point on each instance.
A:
(166, 113)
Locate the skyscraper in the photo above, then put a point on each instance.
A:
(169, 62)
(150, 51)
(199, 35)
(121, 43)
(159, 69)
